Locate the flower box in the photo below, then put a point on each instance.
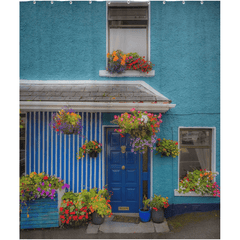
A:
(41, 213)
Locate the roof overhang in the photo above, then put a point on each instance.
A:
(134, 94)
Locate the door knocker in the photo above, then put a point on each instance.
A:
(123, 149)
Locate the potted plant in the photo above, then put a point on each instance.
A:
(142, 126)
(145, 212)
(73, 213)
(91, 147)
(200, 182)
(116, 62)
(39, 193)
(158, 204)
(67, 122)
(100, 206)
(167, 147)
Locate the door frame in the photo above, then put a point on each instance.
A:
(104, 173)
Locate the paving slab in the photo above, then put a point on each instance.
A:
(92, 228)
(161, 227)
(119, 227)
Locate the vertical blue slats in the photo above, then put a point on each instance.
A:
(55, 153)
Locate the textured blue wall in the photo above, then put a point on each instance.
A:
(68, 42)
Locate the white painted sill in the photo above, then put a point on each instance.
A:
(190, 194)
(127, 73)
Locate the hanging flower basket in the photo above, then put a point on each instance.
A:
(167, 148)
(142, 126)
(91, 147)
(67, 122)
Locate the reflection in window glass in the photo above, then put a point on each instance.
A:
(196, 150)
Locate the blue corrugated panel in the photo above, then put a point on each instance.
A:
(43, 213)
(55, 154)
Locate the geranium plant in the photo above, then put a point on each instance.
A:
(135, 62)
(67, 122)
(199, 181)
(167, 147)
(72, 211)
(89, 147)
(116, 62)
(39, 185)
(159, 202)
(142, 126)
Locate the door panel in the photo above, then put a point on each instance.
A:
(123, 182)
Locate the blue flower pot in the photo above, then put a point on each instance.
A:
(145, 215)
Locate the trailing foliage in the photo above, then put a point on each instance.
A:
(167, 147)
(146, 203)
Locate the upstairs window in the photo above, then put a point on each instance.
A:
(128, 28)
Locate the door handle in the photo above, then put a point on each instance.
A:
(123, 167)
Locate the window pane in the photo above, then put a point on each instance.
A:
(194, 158)
(129, 40)
(196, 137)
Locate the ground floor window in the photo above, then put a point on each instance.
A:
(196, 146)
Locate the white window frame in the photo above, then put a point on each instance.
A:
(129, 73)
(213, 162)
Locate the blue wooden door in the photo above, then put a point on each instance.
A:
(122, 173)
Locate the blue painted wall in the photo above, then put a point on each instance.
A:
(68, 42)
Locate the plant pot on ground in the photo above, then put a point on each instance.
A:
(158, 204)
(145, 212)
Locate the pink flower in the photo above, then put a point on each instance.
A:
(134, 117)
(139, 119)
(132, 110)
(207, 185)
(145, 112)
(138, 111)
(115, 117)
(160, 115)
(121, 119)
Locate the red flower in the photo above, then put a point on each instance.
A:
(176, 143)
(61, 208)
(155, 208)
(72, 213)
(159, 139)
(66, 211)
(45, 178)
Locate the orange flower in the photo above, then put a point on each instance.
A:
(201, 175)
(115, 58)
(108, 55)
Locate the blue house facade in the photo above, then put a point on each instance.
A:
(63, 49)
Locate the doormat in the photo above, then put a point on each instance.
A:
(126, 219)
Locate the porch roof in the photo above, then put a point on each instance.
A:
(87, 95)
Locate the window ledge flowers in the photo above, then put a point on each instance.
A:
(118, 62)
(67, 122)
(167, 147)
(142, 126)
(200, 182)
(89, 147)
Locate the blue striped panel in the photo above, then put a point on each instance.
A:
(55, 153)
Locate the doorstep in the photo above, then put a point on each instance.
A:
(109, 226)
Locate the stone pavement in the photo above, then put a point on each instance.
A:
(120, 227)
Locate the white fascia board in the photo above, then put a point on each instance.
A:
(94, 106)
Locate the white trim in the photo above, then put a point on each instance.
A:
(95, 106)
(190, 194)
(213, 155)
(127, 73)
(151, 175)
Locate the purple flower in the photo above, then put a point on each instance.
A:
(43, 184)
(50, 184)
(43, 191)
(53, 191)
(51, 197)
(39, 189)
(47, 193)
(35, 196)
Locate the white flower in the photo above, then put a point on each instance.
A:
(144, 118)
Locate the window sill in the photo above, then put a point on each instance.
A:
(190, 194)
(127, 73)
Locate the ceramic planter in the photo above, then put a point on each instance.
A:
(158, 216)
(145, 215)
(97, 219)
